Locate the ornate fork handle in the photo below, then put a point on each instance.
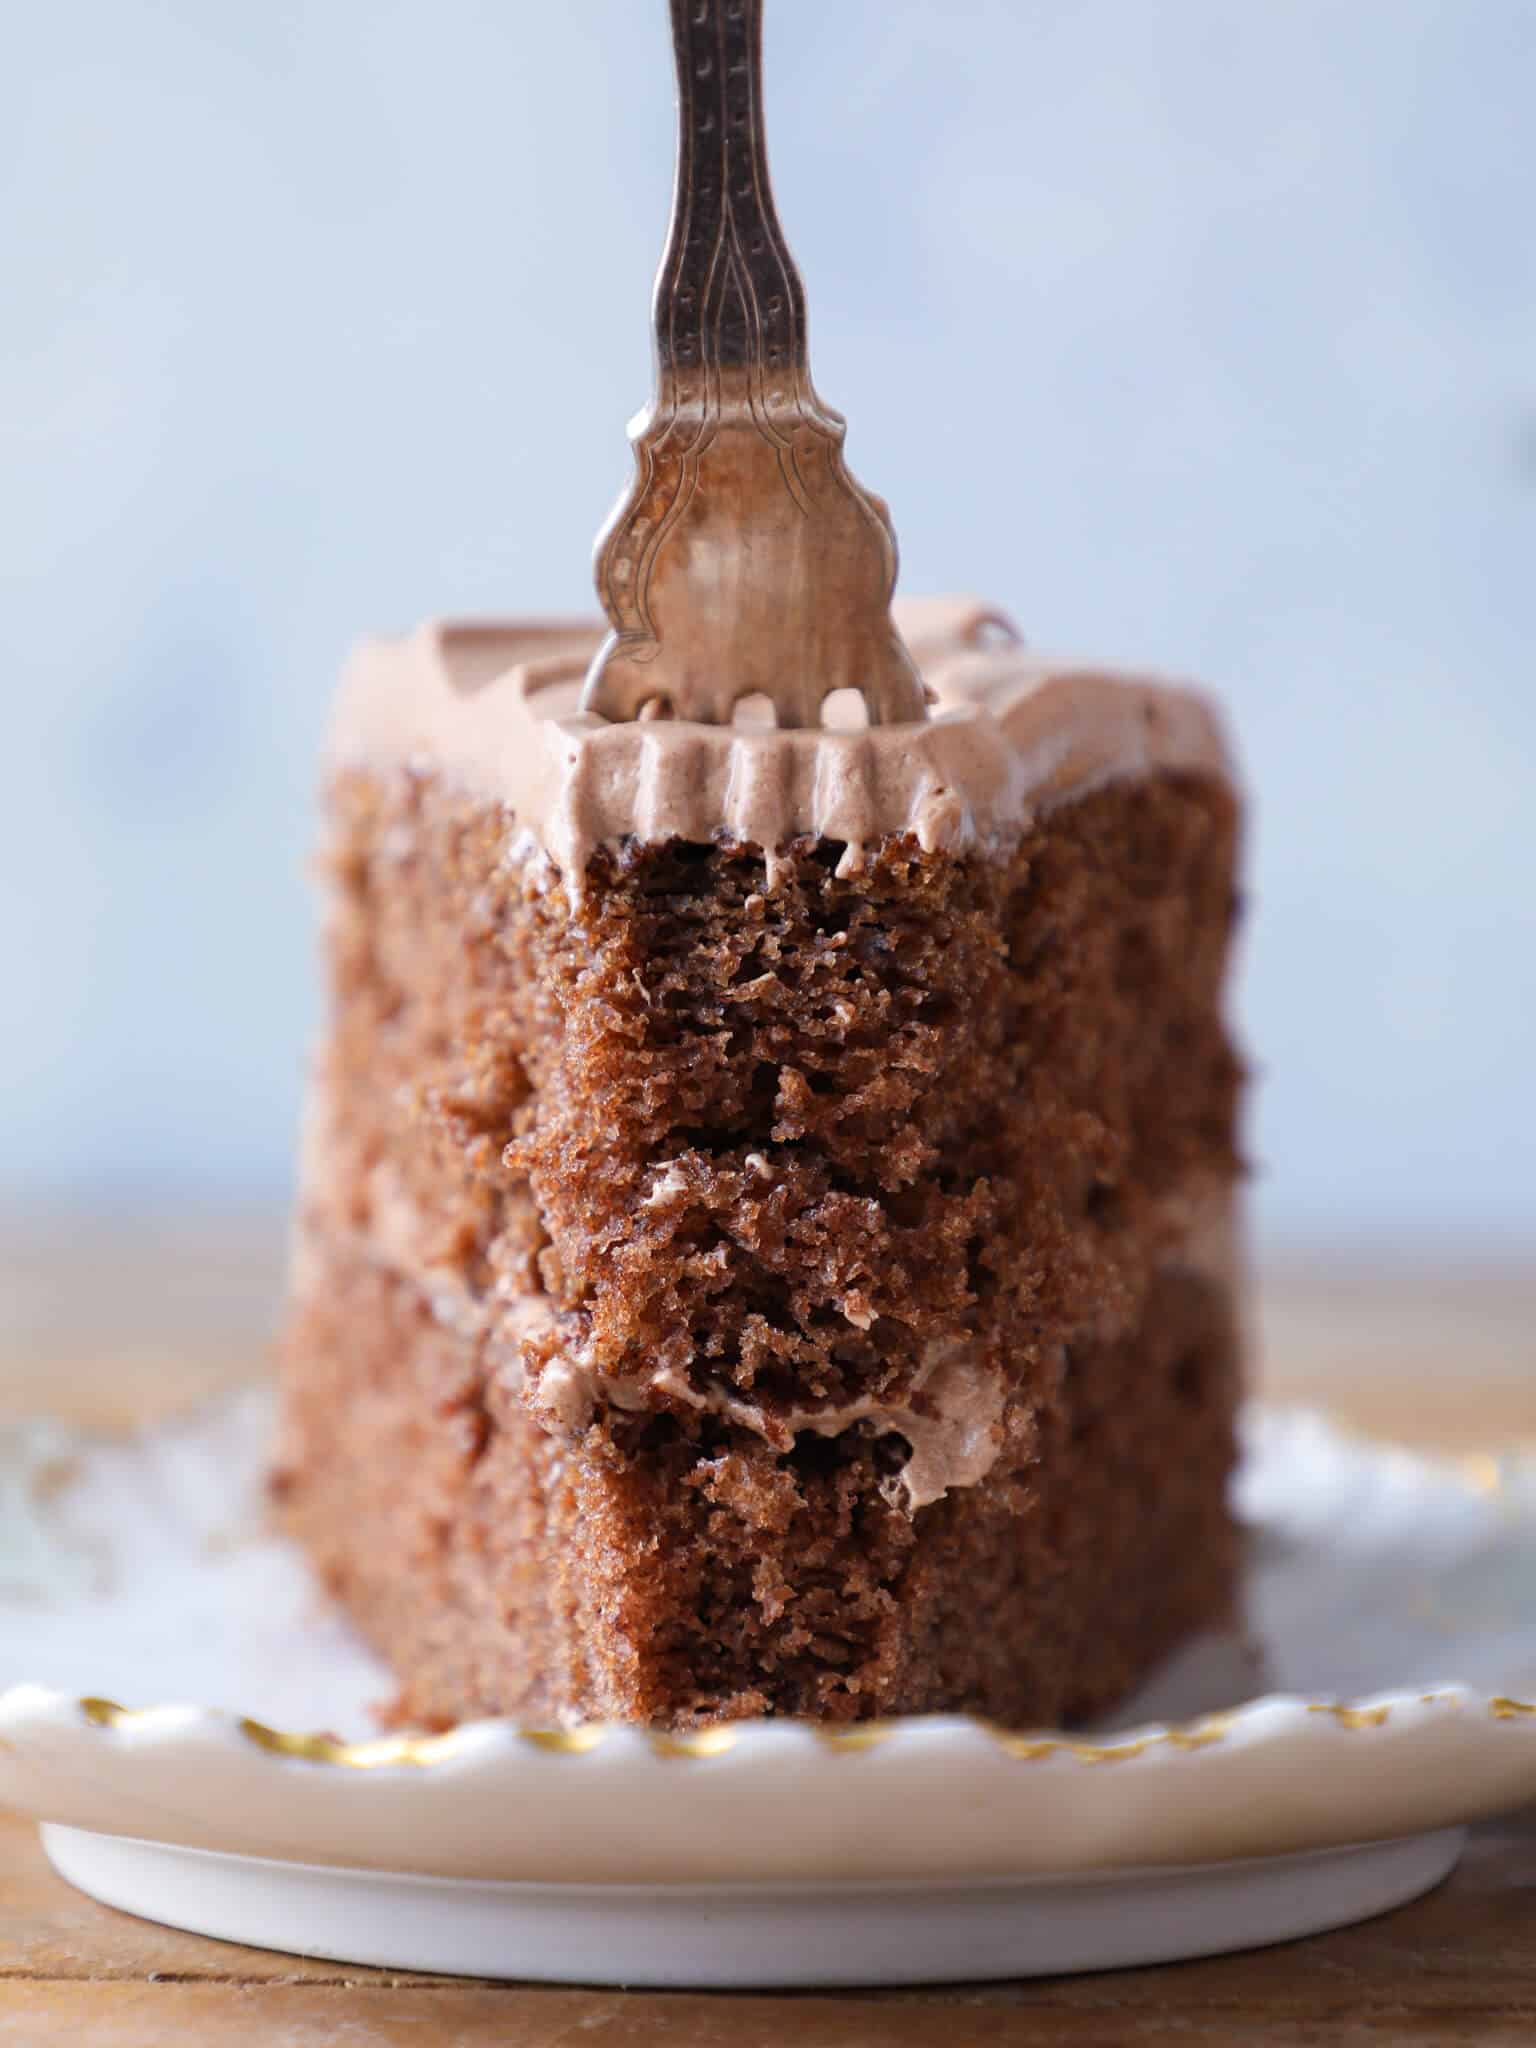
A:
(728, 292)
(744, 560)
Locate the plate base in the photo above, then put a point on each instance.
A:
(734, 1936)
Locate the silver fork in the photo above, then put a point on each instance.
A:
(744, 560)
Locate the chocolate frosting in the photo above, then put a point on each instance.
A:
(953, 1419)
(495, 707)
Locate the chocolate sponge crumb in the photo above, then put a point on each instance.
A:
(750, 1145)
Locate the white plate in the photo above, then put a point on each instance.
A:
(753, 1934)
(1395, 1600)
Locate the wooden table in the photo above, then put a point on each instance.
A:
(103, 1323)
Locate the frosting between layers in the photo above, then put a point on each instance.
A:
(495, 708)
(953, 1419)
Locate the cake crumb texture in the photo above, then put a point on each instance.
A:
(632, 1225)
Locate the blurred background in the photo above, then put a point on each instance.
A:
(1201, 336)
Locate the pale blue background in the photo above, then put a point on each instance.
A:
(1202, 334)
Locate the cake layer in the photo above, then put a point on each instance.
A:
(675, 1573)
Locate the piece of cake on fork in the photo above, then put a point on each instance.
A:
(767, 1232)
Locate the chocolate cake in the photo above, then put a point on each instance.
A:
(766, 1238)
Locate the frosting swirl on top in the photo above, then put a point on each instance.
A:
(496, 708)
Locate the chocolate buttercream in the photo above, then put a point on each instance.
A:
(952, 1419)
(495, 708)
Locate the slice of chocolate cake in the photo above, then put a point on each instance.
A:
(766, 1241)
